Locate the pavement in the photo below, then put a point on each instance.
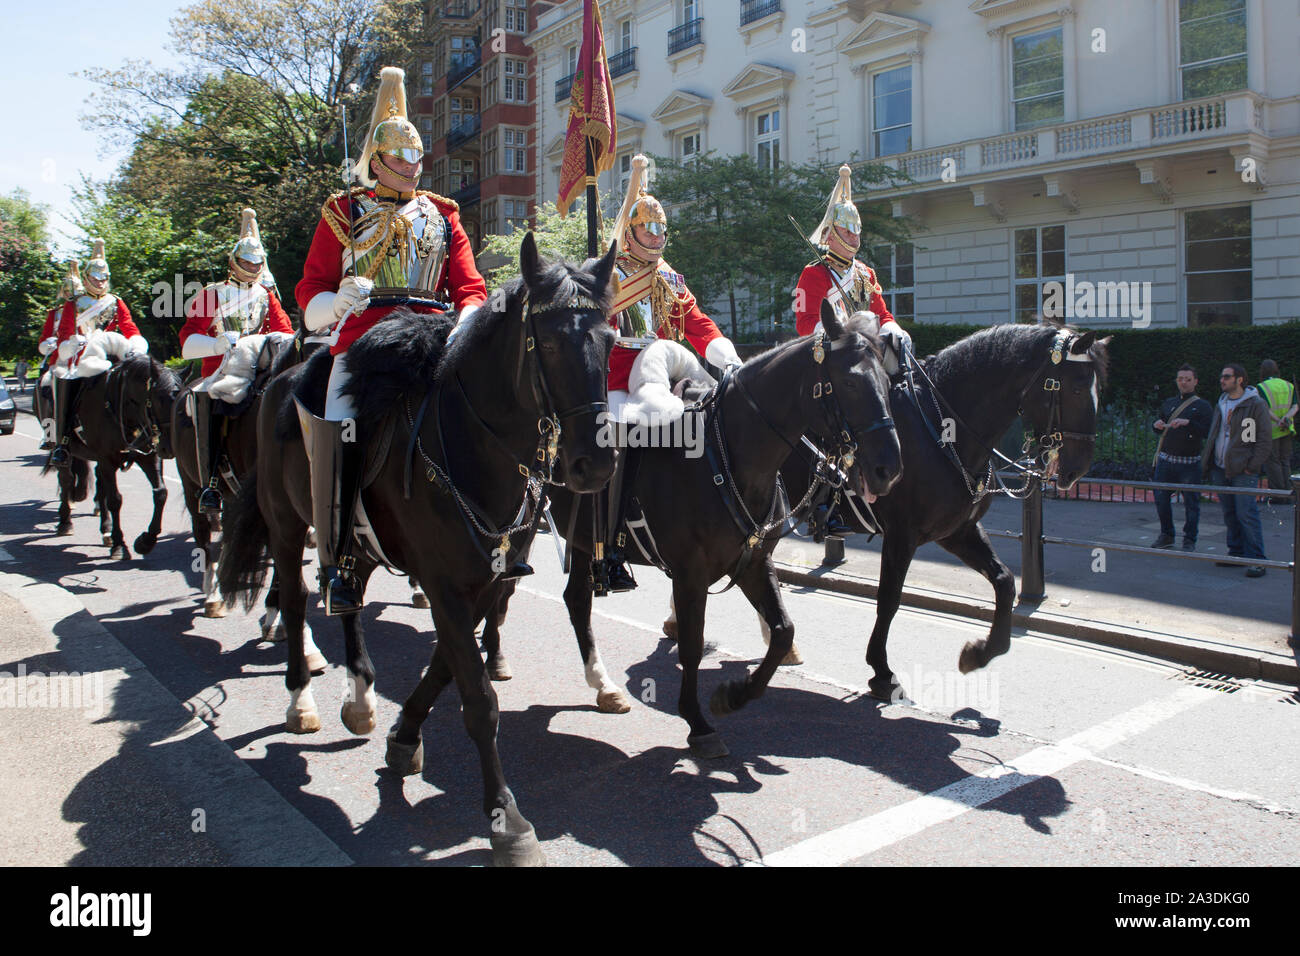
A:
(1162, 604)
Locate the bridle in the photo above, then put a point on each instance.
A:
(1052, 439)
(151, 433)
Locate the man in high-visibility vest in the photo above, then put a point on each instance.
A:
(1281, 397)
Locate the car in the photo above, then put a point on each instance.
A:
(8, 411)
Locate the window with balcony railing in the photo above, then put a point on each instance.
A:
(685, 36)
(891, 111)
(1038, 79)
(624, 62)
(751, 10)
(563, 88)
(1211, 46)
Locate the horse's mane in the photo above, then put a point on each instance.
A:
(858, 323)
(137, 365)
(994, 345)
(408, 353)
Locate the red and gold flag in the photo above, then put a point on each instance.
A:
(591, 112)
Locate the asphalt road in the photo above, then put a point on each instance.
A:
(1058, 753)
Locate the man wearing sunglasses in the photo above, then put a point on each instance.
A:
(839, 235)
(1240, 441)
(378, 247)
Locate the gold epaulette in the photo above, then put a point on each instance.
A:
(353, 193)
(455, 206)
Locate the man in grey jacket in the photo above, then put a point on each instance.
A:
(1238, 445)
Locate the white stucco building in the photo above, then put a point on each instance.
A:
(1104, 141)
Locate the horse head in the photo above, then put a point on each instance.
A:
(564, 353)
(854, 397)
(143, 398)
(1060, 403)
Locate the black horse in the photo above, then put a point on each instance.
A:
(473, 427)
(119, 418)
(720, 513)
(970, 393)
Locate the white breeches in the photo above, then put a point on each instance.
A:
(617, 399)
(337, 405)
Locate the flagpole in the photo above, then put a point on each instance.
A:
(593, 240)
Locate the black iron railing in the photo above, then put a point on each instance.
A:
(624, 62)
(751, 10)
(463, 69)
(685, 36)
(462, 132)
(563, 87)
(466, 196)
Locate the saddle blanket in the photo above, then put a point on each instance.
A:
(232, 380)
(102, 351)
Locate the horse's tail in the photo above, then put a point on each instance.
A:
(244, 546)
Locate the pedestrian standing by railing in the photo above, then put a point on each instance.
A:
(1281, 398)
(20, 370)
(1240, 442)
(1183, 424)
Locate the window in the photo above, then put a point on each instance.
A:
(624, 174)
(1039, 258)
(690, 10)
(489, 160)
(515, 154)
(573, 60)
(1218, 263)
(490, 217)
(690, 148)
(1038, 79)
(426, 78)
(490, 90)
(439, 119)
(516, 81)
(891, 111)
(516, 211)
(893, 265)
(462, 173)
(440, 176)
(767, 139)
(625, 35)
(517, 16)
(1211, 46)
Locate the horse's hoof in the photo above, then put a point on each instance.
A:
(64, 529)
(120, 553)
(887, 689)
(613, 702)
(95, 514)
(316, 663)
(720, 702)
(498, 668)
(707, 746)
(145, 543)
(670, 630)
(970, 657)
(106, 540)
(358, 719)
(517, 849)
(406, 759)
(420, 600)
(793, 658)
(214, 608)
(273, 633)
(301, 721)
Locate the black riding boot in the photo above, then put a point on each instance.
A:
(336, 468)
(207, 444)
(620, 577)
(65, 391)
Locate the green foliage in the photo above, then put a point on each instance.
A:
(29, 277)
(730, 234)
(557, 238)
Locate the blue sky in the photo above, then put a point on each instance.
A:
(46, 149)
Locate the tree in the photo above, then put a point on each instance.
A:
(29, 277)
(730, 234)
(557, 238)
(255, 120)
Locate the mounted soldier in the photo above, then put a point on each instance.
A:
(654, 312)
(226, 326)
(850, 286)
(95, 329)
(69, 288)
(838, 273)
(378, 247)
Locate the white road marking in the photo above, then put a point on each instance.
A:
(39, 438)
(1260, 803)
(864, 837)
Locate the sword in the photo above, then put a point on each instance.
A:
(349, 174)
(817, 254)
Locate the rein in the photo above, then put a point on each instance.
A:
(153, 436)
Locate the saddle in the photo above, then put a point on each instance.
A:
(256, 357)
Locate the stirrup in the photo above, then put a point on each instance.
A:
(339, 592)
(60, 458)
(210, 500)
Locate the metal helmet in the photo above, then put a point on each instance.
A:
(640, 209)
(96, 272)
(840, 210)
(391, 131)
(248, 249)
(70, 286)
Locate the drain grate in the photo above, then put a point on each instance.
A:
(1223, 683)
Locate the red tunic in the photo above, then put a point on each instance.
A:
(684, 321)
(121, 321)
(323, 271)
(199, 322)
(815, 283)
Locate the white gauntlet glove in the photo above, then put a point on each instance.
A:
(137, 345)
(226, 341)
(48, 345)
(721, 353)
(70, 347)
(896, 335)
(326, 308)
